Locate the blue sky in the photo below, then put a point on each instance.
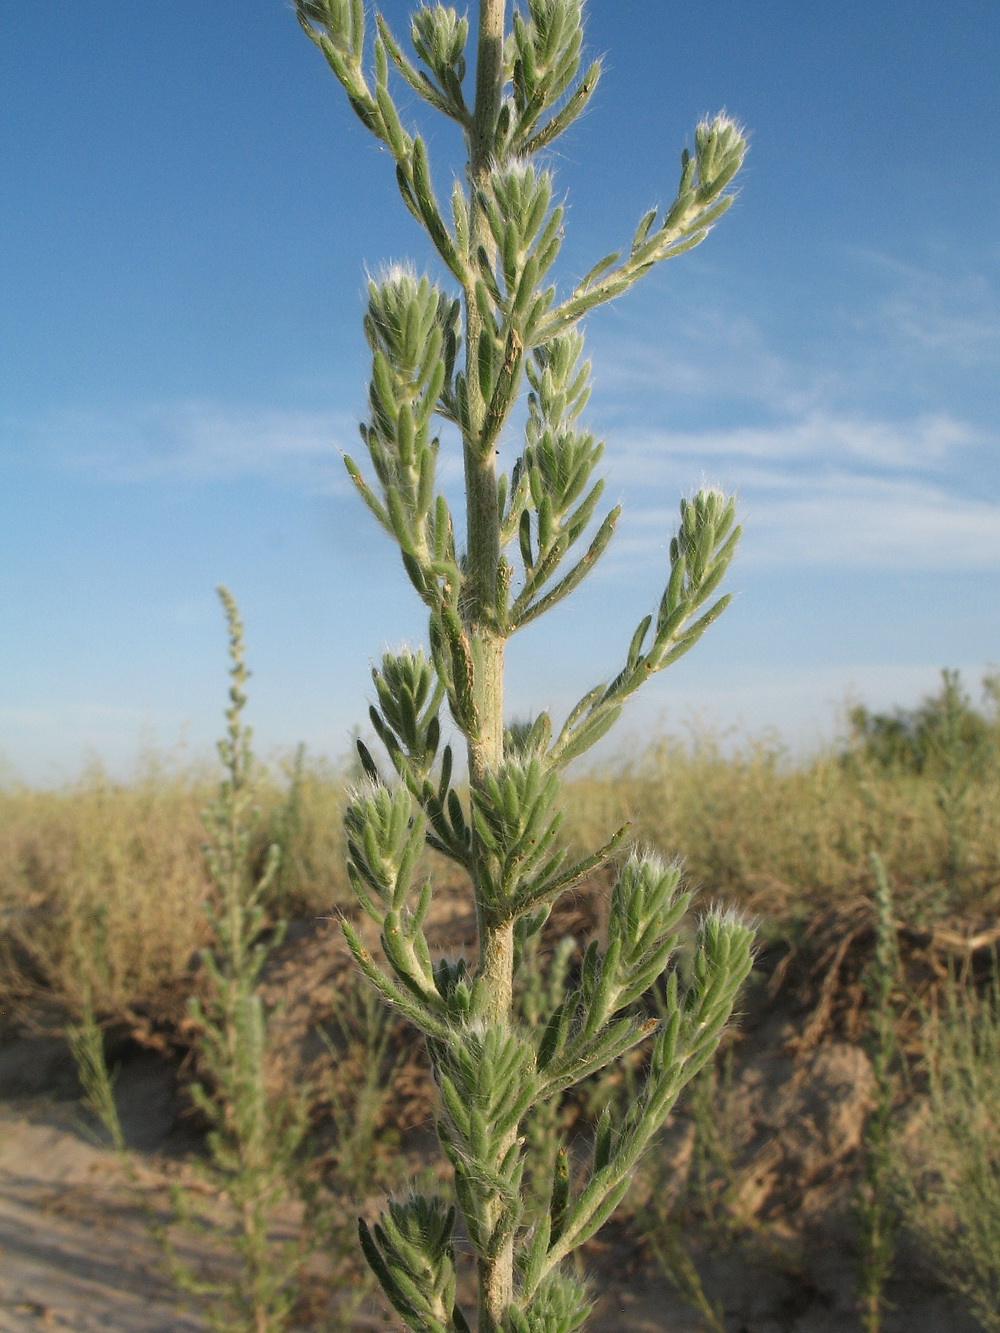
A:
(191, 208)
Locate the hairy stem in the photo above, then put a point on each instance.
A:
(496, 945)
(482, 516)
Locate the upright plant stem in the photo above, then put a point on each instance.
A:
(485, 745)
(496, 942)
(482, 515)
(877, 1214)
(504, 240)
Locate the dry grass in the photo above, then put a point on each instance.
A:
(100, 888)
(948, 1167)
(102, 883)
(782, 837)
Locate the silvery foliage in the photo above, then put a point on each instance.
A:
(464, 358)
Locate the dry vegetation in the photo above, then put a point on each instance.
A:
(102, 883)
(102, 901)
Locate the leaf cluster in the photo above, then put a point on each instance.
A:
(501, 263)
(491, 1077)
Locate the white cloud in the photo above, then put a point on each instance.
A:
(950, 308)
(852, 522)
(199, 441)
(194, 441)
(925, 442)
(713, 354)
(826, 491)
(817, 489)
(888, 331)
(840, 522)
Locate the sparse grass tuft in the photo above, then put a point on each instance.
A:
(948, 1174)
(876, 1210)
(103, 883)
(101, 890)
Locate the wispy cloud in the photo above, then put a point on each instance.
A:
(199, 442)
(852, 522)
(191, 441)
(826, 491)
(710, 356)
(882, 334)
(843, 522)
(872, 446)
(827, 476)
(818, 438)
(949, 305)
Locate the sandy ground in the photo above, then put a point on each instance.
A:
(75, 1253)
(74, 1250)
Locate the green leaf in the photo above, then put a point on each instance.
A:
(560, 1194)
